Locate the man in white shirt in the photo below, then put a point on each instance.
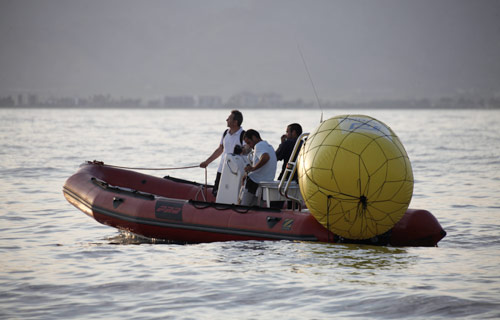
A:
(231, 138)
(263, 169)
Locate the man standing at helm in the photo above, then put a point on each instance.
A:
(232, 138)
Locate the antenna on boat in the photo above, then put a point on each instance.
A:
(310, 79)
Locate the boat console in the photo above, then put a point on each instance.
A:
(230, 184)
(233, 170)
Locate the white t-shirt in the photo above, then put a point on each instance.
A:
(229, 141)
(268, 171)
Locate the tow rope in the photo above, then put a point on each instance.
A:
(153, 169)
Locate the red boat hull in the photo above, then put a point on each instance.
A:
(181, 211)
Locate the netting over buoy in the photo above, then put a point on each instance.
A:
(355, 176)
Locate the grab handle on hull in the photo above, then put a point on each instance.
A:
(117, 202)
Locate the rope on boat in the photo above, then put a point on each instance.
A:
(170, 168)
(155, 169)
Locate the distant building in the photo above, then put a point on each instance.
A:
(179, 102)
(20, 100)
(209, 102)
(154, 103)
(253, 100)
(7, 101)
(32, 100)
(271, 100)
(100, 100)
(244, 100)
(82, 102)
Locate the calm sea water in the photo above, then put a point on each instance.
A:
(57, 263)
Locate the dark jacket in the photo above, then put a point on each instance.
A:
(283, 153)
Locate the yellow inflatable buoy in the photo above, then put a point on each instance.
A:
(355, 176)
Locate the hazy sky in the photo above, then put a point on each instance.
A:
(354, 49)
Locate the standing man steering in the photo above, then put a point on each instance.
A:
(231, 138)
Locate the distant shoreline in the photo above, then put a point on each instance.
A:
(246, 100)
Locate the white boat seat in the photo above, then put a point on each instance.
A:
(270, 191)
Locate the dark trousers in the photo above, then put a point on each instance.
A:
(251, 186)
(216, 184)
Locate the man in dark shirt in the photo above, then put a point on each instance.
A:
(288, 140)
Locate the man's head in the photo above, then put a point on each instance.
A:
(251, 137)
(293, 131)
(235, 119)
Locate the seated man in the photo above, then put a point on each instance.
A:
(263, 169)
(284, 151)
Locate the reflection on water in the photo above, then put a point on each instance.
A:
(127, 238)
(375, 258)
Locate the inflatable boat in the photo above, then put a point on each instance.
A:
(181, 211)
